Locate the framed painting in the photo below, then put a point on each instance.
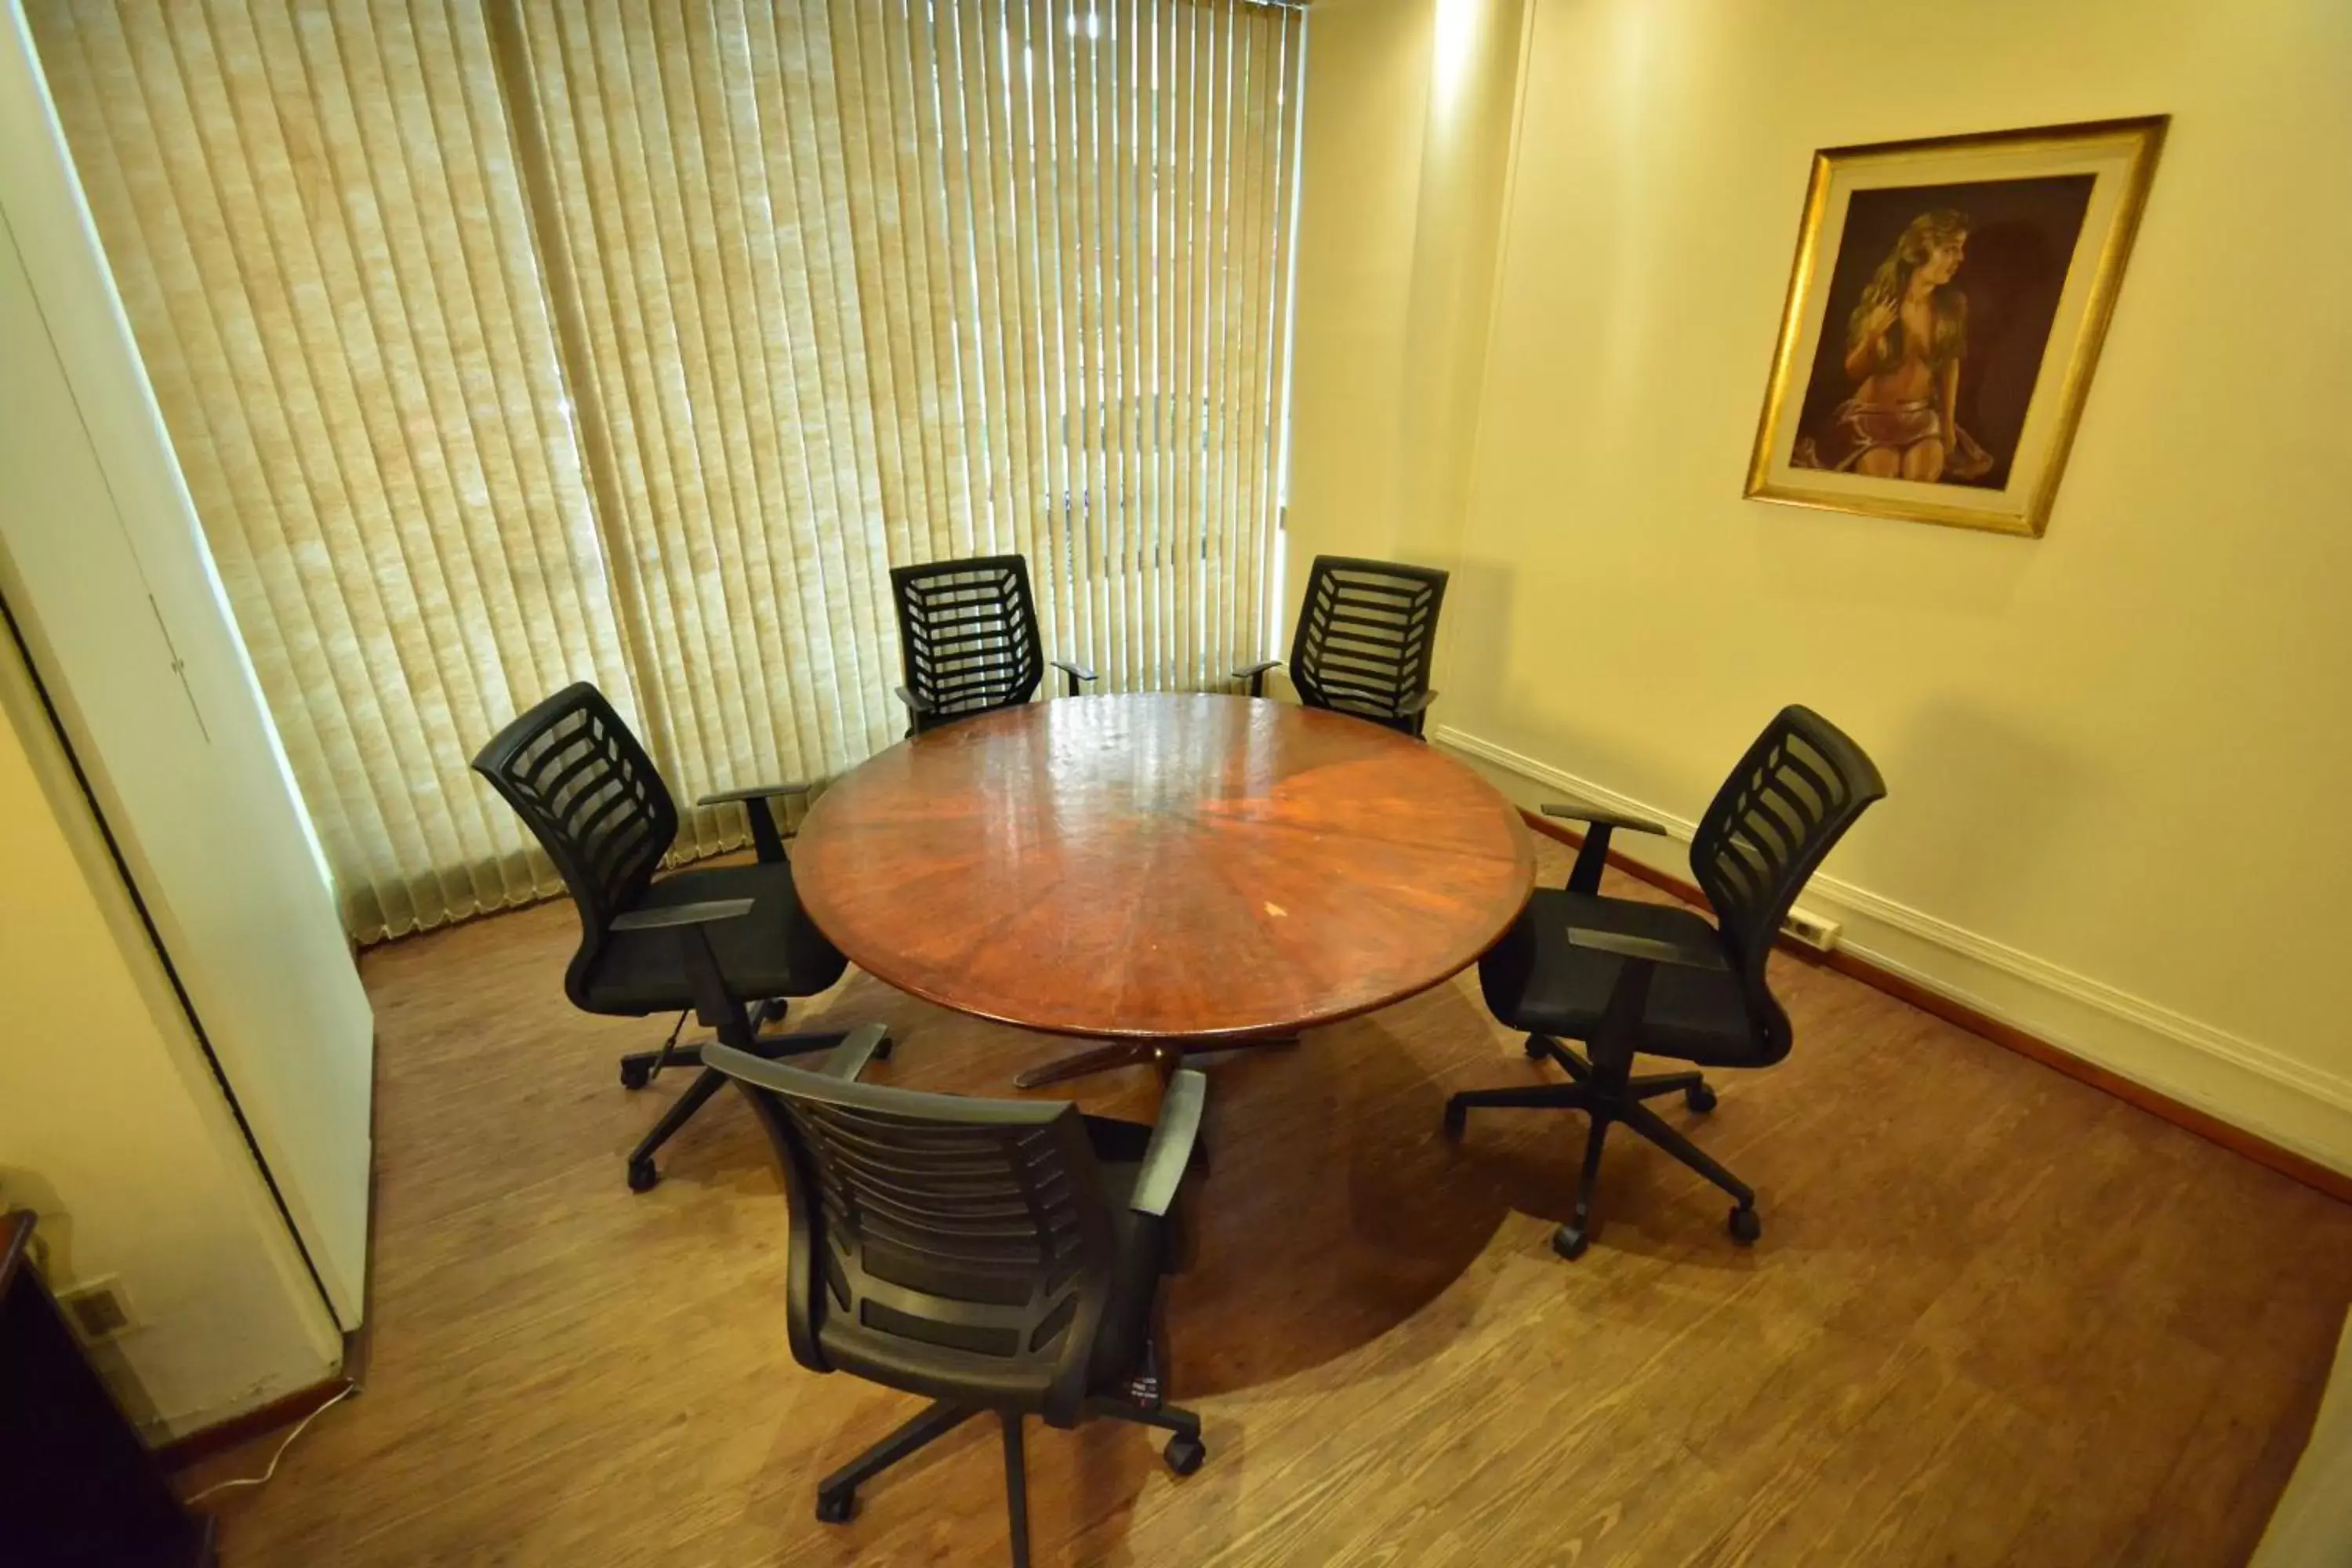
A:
(1944, 317)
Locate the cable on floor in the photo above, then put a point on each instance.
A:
(300, 1427)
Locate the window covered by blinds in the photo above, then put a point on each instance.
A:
(506, 342)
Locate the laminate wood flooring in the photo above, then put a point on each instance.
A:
(1996, 1317)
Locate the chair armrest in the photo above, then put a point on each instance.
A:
(712, 1004)
(847, 1060)
(916, 706)
(1602, 817)
(1077, 673)
(756, 792)
(759, 803)
(1599, 822)
(665, 916)
(1255, 674)
(1417, 701)
(1171, 1149)
(1648, 949)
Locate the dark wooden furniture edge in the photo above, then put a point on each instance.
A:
(15, 1233)
(2297, 1167)
(16, 1226)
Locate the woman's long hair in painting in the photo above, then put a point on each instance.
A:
(1887, 285)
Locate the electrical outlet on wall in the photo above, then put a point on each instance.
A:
(1813, 931)
(98, 1309)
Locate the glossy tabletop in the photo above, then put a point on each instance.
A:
(1162, 866)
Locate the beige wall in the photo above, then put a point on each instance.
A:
(2116, 754)
(1400, 195)
(1367, 77)
(112, 1128)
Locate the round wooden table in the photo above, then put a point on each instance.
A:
(1163, 870)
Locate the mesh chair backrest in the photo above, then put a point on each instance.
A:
(1366, 632)
(587, 791)
(1792, 796)
(968, 630)
(940, 1245)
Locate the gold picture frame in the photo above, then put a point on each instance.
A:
(1944, 283)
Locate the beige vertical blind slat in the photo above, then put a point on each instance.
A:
(902, 259)
(1131, 523)
(831, 386)
(1217, 156)
(1100, 71)
(1187, 171)
(1055, 218)
(1013, 128)
(1066, 388)
(1259, 143)
(979, 314)
(894, 253)
(510, 343)
(1216, 382)
(948, 237)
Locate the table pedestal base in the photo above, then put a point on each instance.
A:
(1166, 1056)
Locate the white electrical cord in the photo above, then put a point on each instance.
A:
(300, 1427)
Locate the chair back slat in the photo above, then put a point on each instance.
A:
(1366, 633)
(945, 1245)
(1793, 795)
(968, 632)
(585, 788)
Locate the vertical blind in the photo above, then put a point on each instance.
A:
(507, 343)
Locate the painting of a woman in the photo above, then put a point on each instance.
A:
(1945, 311)
(1905, 341)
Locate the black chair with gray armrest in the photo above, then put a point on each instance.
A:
(995, 1257)
(582, 784)
(968, 633)
(1624, 976)
(1366, 633)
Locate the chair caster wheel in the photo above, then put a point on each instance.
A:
(642, 1175)
(635, 1074)
(1745, 1226)
(1534, 1048)
(1456, 1118)
(1699, 1098)
(835, 1507)
(1569, 1241)
(1184, 1454)
(882, 1052)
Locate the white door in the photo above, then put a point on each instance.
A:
(106, 574)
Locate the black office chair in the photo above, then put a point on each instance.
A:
(998, 1257)
(1627, 977)
(968, 632)
(1366, 633)
(587, 791)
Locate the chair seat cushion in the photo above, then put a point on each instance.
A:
(1695, 1015)
(774, 950)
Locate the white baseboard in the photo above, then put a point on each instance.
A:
(2241, 1081)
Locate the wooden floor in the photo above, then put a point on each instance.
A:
(1996, 1317)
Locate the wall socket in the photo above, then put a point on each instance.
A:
(99, 1310)
(1810, 930)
